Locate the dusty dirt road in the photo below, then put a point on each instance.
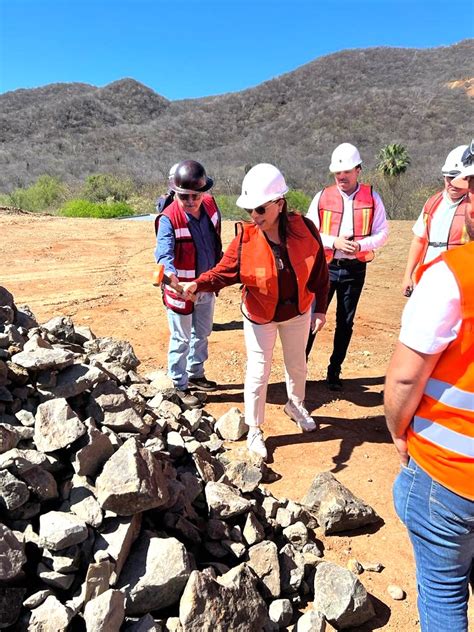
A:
(99, 273)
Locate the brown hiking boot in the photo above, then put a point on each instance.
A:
(188, 399)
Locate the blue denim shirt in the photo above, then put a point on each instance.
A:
(203, 235)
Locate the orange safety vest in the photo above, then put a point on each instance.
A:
(441, 435)
(457, 235)
(258, 271)
(185, 250)
(331, 210)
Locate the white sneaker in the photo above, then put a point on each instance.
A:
(301, 416)
(255, 442)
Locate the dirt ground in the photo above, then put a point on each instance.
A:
(99, 273)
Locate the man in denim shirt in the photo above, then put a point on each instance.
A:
(189, 243)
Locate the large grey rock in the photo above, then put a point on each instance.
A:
(115, 540)
(12, 554)
(95, 451)
(64, 561)
(296, 534)
(9, 438)
(13, 493)
(208, 467)
(263, 560)
(54, 579)
(244, 475)
(292, 565)
(335, 507)
(41, 359)
(59, 530)
(253, 531)
(132, 480)
(76, 379)
(112, 350)
(41, 482)
(230, 603)
(154, 574)
(281, 612)
(105, 612)
(83, 503)
(51, 616)
(341, 597)
(225, 501)
(231, 426)
(56, 425)
(22, 460)
(311, 621)
(60, 327)
(110, 406)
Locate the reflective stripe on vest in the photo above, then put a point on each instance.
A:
(449, 395)
(444, 437)
(186, 274)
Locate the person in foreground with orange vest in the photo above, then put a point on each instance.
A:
(440, 225)
(279, 259)
(429, 407)
(352, 222)
(189, 243)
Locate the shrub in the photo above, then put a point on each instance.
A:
(84, 208)
(298, 201)
(45, 194)
(104, 186)
(228, 208)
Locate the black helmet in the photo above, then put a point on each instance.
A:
(190, 176)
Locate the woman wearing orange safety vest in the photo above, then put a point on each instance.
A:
(440, 226)
(279, 259)
(429, 406)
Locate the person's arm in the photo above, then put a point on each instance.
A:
(318, 283)
(379, 234)
(407, 375)
(165, 243)
(414, 258)
(313, 215)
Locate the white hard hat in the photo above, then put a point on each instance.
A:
(453, 163)
(261, 184)
(344, 158)
(463, 180)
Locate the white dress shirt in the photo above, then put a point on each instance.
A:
(375, 240)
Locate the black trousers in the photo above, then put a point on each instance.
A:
(347, 277)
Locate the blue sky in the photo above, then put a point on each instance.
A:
(194, 48)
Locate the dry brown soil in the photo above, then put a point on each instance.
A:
(99, 271)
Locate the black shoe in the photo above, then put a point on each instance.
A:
(333, 380)
(202, 384)
(188, 399)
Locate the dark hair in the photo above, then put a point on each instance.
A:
(284, 226)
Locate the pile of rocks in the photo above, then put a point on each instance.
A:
(120, 510)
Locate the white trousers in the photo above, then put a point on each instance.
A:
(260, 342)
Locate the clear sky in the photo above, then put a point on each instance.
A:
(194, 48)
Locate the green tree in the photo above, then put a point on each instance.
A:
(393, 160)
(101, 187)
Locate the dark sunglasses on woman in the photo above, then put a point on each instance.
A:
(260, 210)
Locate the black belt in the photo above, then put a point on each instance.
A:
(438, 244)
(347, 263)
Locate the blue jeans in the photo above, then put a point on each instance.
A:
(189, 335)
(441, 528)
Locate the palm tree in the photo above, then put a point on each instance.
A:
(394, 160)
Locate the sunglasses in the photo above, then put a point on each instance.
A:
(260, 210)
(189, 196)
(468, 156)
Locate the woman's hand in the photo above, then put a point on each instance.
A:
(189, 290)
(318, 321)
(407, 286)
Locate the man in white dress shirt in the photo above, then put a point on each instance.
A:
(352, 222)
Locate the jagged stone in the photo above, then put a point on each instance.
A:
(22, 460)
(154, 574)
(13, 493)
(230, 603)
(253, 530)
(54, 579)
(144, 624)
(297, 535)
(311, 621)
(51, 616)
(336, 508)
(56, 426)
(263, 559)
(225, 502)
(231, 426)
(41, 482)
(11, 598)
(132, 480)
(340, 596)
(61, 327)
(98, 580)
(292, 564)
(24, 317)
(244, 475)
(94, 453)
(120, 351)
(40, 359)
(59, 530)
(12, 554)
(9, 438)
(76, 379)
(37, 598)
(64, 561)
(208, 467)
(280, 612)
(105, 612)
(110, 406)
(83, 503)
